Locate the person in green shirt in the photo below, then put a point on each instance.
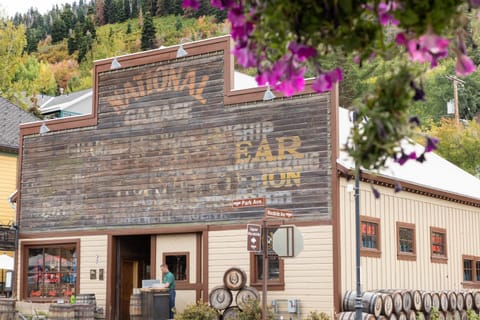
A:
(169, 282)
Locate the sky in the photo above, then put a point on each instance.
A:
(10, 7)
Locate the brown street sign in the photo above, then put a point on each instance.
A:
(254, 237)
(278, 213)
(250, 202)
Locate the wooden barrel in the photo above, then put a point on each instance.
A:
(397, 302)
(476, 299)
(452, 300)
(436, 300)
(7, 305)
(406, 300)
(402, 316)
(460, 301)
(86, 298)
(235, 279)
(61, 311)
(387, 304)
(463, 315)
(448, 315)
(441, 315)
(350, 315)
(426, 302)
(84, 311)
(411, 315)
(135, 308)
(456, 315)
(443, 301)
(220, 298)
(468, 297)
(371, 302)
(245, 295)
(417, 301)
(393, 316)
(231, 313)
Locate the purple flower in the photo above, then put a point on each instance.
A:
(464, 65)
(384, 13)
(325, 80)
(398, 187)
(195, 4)
(245, 56)
(474, 3)
(236, 15)
(405, 157)
(421, 158)
(414, 120)
(301, 51)
(376, 193)
(222, 4)
(428, 48)
(431, 144)
(419, 93)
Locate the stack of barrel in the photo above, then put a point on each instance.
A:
(83, 309)
(221, 297)
(407, 304)
(7, 309)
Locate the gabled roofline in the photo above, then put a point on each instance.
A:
(408, 187)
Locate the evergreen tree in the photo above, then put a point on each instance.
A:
(59, 31)
(148, 32)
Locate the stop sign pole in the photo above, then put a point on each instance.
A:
(265, 268)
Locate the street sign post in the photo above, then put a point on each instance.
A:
(254, 237)
(249, 202)
(278, 213)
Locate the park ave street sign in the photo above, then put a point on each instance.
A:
(251, 202)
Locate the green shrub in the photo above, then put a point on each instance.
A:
(314, 315)
(471, 315)
(198, 311)
(252, 310)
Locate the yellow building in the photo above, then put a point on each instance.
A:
(11, 116)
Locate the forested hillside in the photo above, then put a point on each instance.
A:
(44, 53)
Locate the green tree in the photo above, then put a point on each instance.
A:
(148, 33)
(12, 43)
(459, 143)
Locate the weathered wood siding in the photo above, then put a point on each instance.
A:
(460, 222)
(308, 276)
(167, 150)
(8, 184)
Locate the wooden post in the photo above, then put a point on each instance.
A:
(265, 269)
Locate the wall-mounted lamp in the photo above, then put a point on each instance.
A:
(44, 129)
(115, 64)
(181, 52)
(268, 95)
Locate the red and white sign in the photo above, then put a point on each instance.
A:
(251, 202)
(278, 213)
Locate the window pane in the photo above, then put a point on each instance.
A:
(273, 267)
(477, 270)
(177, 264)
(51, 271)
(369, 234)
(438, 243)
(467, 270)
(406, 240)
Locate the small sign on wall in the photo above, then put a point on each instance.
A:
(93, 274)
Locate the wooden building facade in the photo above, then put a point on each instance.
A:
(150, 177)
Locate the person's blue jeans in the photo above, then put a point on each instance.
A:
(172, 303)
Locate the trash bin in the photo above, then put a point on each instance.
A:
(155, 304)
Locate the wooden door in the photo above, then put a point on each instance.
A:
(126, 288)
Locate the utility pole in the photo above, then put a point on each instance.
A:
(455, 82)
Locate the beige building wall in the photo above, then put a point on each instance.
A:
(308, 277)
(460, 221)
(8, 184)
(179, 243)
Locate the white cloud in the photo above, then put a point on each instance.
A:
(10, 7)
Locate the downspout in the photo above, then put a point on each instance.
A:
(11, 203)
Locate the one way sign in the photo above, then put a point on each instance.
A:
(254, 237)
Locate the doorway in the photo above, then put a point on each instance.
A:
(132, 265)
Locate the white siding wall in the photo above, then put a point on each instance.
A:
(308, 277)
(461, 223)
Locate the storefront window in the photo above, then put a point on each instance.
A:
(52, 271)
(177, 264)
